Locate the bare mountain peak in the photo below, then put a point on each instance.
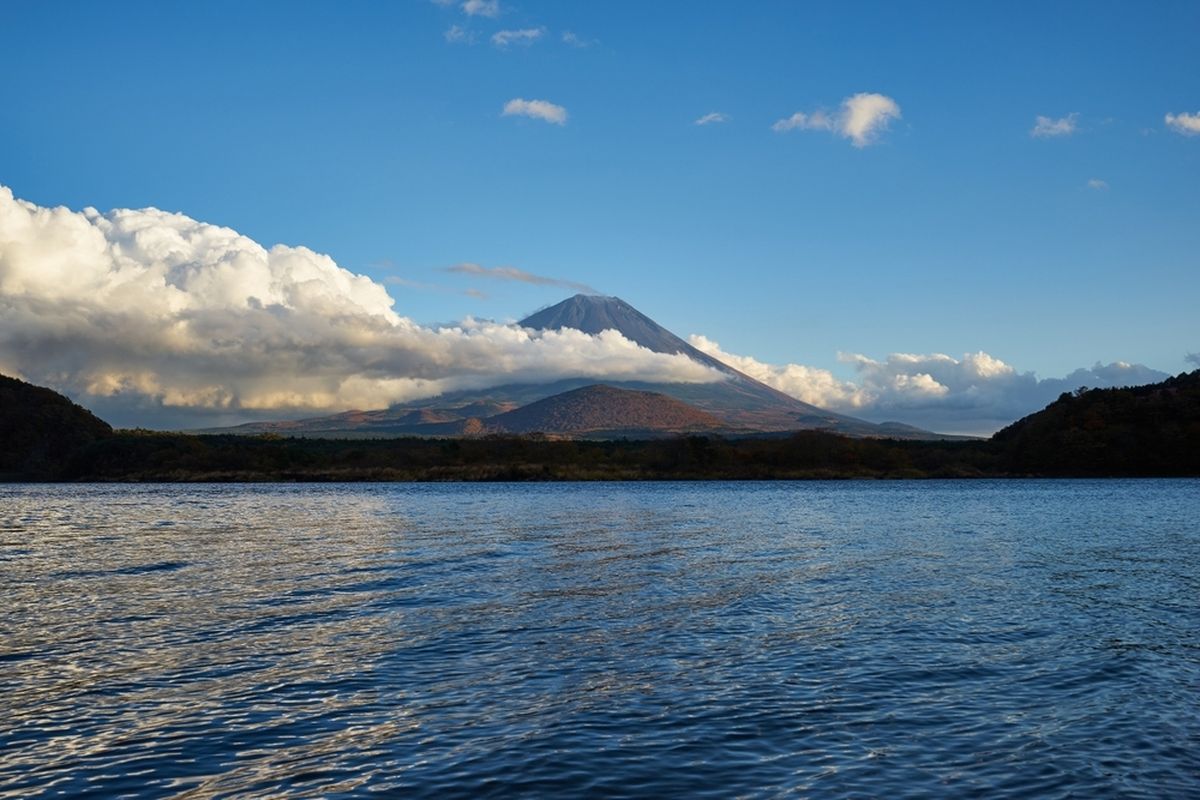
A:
(592, 313)
(741, 399)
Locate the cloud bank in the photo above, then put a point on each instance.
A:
(144, 312)
(536, 109)
(974, 394)
(861, 119)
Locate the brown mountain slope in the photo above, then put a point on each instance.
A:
(604, 408)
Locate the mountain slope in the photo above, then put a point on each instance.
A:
(741, 401)
(599, 408)
(1139, 430)
(39, 427)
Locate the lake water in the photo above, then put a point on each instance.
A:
(843, 639)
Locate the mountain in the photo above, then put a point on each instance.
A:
(605, 409)
(742, 404)
(1138, 430)
(38, 426)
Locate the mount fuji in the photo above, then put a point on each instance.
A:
(738, 405)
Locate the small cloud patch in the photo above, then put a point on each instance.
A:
(860, 118)
(524, 36)
(1048, 128)
(1184, 124)
(536, 109)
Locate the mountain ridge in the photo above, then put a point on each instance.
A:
(1144, 431)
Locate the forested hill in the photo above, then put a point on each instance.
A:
(40, 428)
(1139, 430)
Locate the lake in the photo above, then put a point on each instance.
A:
(824, 639)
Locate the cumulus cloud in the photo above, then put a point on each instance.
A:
(481, 8)
(1186, 124)
(810, 384)
(975, 394)
(1046, 127)
(1097, 184)
(517, 275)
(157, 310)
(711, 118)
(861, 118)
(537, 109)
(524, 36)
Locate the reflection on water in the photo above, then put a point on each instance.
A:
(819, 639)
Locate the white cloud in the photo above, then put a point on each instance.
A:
(865, 115)
(711, 118)
(810, 384)
(1045, 127)
(456, 34)
(481, 8)
(860, 118)
(525, 36)
(818, 120)
(517, 275)
(1186, 124)
(574, 40)
(537, 109)
(1097, 184)
(148, 309)
(974, 394)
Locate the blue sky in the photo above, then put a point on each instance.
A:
(360, 130)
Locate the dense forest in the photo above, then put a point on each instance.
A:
(40, 429)
(1141, 431)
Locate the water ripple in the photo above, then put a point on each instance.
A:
(1006, 639)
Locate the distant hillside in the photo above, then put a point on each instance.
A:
(1140, 430)
(599, 408)
(39, 427)
(383, 423)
